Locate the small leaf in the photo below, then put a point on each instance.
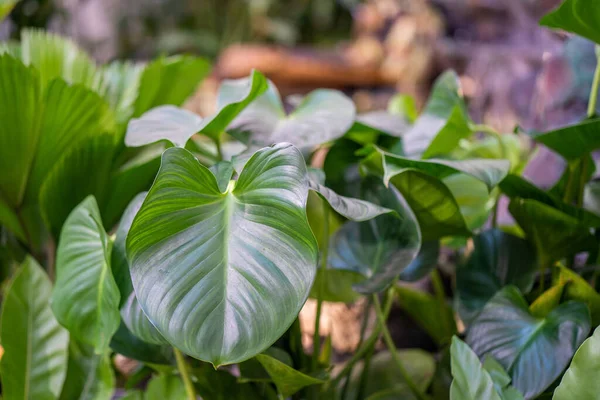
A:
(471, 381)
(403, 105)
(287, 380)
(533, 350)
(89, 375)
(498, 259)
(443, 123)
(577, 288)
(554, 233)
(163, 123)
(86, 298)
(578, 16)
(547, 301)
(199, 256)
(580, 381)
(427, 312)
(322, 115)
(223, 171)
(36, 346)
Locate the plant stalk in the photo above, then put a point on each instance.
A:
(185, 375)
(392, 349)
(219, 149)
(591, 111)
(440, 295)
(320, 288)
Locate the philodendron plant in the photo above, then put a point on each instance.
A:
(133, 228)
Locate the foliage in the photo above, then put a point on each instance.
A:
(174, 255)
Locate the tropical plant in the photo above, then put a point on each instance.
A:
(178, 250)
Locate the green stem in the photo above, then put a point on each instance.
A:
(387, 338)
(594, 91)
(320, 288)
(185, 375)
(440, 295)
(219, 150)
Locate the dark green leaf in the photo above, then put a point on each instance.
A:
(86, 298)
(422, 265)
(287, 380)
(89, 376)
(554, 233)
(498, 259)
(572, 142)
(443, 123)
(36, 346)
(533, 350)
(124, 342)
(580, 381)
(578, 16)
(471, 381)
(199, 256)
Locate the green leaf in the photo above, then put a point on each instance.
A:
(383, 375)
(577, 288)
(221, 385)
(580, 381)
(223, 171)
(379, 249)
(591, 197)
(498, 259)
(163, 123)
(490, 172)
(287, 380)
(56, 56)
(471, 381)
(322, 115)
(578, 16)
(473, 198)
(84, 170)
(137, 322)
(36, 346)
(20, 106)
(427, 312)
(379, 122)
(89, 375)
(422, 265)
(501, 379)
(86, 298)
(515, 186)
(554, 233)
(121, 86)
(404, 106)
(126, 343)
(166, 387)
(205, 255)
(338, 286)
(533, 350)
(443, 123)
(169, 80)
(234, 96)
(548, 300)
(11, 221)
(572, 142)
(6, 7)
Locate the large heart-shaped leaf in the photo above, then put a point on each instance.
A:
(137, 322)
(578, 16)
(443, 123)
(533, 350)
(581, 380)
(223, 274)
(90, 376)
(554, 233)
(490, 172)
(498, 259)
(378, 249)
(323, 115)
(574, 141)
(471, 381)
(36, 346)
(86, 298)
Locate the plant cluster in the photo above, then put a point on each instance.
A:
(130, 225)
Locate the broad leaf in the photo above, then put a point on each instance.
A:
(471, 381)
(287, 380)
(169, 80)
(443, 123)
(121, 87)
(36, 346)
(368, 126)
(137, 322)
(126, 343)
(533, 350)
(89, 376)
(199, 256)
(580, 381)
(577, 288)
(434, 318)
(473, 198)
(498, 259)
(86, 298)
(163, 123)
(379, 249)
(490, 172)
(166, 387)
(554, 233)
(322, 115)
(578, 16)
(515, 186)
(572, 142)
(422, 265)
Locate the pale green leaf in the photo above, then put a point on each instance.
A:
(471, 381)
(163, 123)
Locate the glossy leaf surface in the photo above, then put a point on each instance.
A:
(471, 381)
(223, 274)
(163, 123)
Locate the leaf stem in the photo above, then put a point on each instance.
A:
(185, 375)
(591, 111)
(320, 288)
(440, 295)
(387, 337)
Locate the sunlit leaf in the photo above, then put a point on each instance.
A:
(163, 123)
(199, 256)
(577, 288)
